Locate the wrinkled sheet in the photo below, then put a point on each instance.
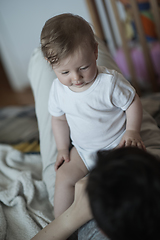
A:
(24, 204)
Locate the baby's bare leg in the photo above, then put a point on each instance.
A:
(66, 177)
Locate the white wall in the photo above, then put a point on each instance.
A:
(21, 22)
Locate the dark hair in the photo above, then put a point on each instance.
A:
(62, 34)
(124, 194)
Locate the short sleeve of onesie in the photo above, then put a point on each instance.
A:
(122, 92)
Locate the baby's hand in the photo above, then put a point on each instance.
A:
(131, 138)
(63, 156)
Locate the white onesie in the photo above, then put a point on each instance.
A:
(96, 117)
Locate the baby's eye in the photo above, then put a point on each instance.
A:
(83, 68)
(65, 72)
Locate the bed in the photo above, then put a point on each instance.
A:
(28, 153)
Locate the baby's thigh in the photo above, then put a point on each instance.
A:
(73, 170)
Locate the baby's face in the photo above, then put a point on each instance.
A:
(79, 70)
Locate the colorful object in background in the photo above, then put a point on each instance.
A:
(146, 18)
(139, 63)
(130, 30)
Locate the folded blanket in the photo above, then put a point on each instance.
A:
(24, 205)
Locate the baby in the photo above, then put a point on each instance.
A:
(94, 106)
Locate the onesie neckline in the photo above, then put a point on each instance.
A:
(87, 91)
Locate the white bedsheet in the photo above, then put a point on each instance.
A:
(24, 205)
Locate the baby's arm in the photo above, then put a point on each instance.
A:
(61, 133)
(134, 118)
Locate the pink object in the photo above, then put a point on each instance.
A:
(139, 63)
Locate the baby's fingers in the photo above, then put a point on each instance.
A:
(58, 163)
(129, 143)
(141, 145)
(121, 144)
(66, 158)
(133, 143)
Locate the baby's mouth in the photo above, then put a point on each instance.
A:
(78, 84)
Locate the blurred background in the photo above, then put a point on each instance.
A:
(21, 23)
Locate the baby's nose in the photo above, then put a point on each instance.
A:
(76, 76)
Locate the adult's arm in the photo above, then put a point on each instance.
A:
(73, 218)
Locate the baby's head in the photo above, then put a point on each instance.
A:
(63, 34)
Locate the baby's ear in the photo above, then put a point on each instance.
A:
(47, 60)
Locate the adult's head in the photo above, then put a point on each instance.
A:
(124, 194)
